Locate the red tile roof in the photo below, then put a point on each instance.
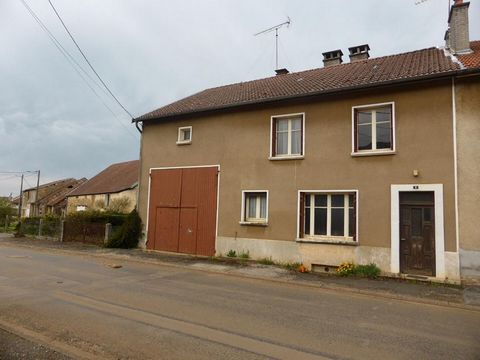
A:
(364, 73)
(113, 179)
(472, 60)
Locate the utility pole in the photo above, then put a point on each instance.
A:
(20, 200)
(36, 194)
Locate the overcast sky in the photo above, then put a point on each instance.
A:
(151, 53)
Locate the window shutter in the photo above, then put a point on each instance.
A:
(274, 137)
(391, 127)
(301, 135)
(355, 129)
(301, 222)
(355, 216)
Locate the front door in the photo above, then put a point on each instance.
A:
(417, 233)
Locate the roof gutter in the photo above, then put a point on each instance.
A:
(462, 72)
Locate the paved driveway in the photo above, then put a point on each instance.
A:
(83, 307)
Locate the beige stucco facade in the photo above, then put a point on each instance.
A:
(467, 92)
(239, 141)
(124, 201)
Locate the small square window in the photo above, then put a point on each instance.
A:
(254, 207)
(184, 135)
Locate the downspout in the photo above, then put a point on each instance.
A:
(455, 160)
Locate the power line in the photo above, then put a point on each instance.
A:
(88, 62)
(71, 60)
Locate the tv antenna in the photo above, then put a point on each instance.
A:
(275, 28)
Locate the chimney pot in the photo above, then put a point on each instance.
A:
(359, 52)
(332, 57)
(282, 71)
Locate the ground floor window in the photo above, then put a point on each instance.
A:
(255, 206)
(328, 216)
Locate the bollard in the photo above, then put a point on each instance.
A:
(108, 232)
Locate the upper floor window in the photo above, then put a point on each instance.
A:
(287, 136)
(373, 129)
(184, 135)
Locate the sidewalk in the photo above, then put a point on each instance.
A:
(437, 294)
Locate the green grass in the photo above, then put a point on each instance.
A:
(244, 255)
(266, 261)
(290, 266)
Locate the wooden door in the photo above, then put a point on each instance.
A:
(417, 234)
(183, 210)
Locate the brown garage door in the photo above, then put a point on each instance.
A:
(183, 210)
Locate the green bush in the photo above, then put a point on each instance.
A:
(96, 217)
(232, 253)
(370, 271)
(129, 233)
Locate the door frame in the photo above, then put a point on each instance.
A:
(182, 167)
(395, 191)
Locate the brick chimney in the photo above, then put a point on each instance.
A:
(359, 52)
(457, 39)
(332, 58)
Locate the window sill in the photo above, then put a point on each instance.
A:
(184, 142)
(292, 157)
(373, 153)
(253, 223)
(326, 240)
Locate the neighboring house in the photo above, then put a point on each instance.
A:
(115, 189)
(373, 161)
(51, 198)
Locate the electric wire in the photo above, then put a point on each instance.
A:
(88, 62)
(71, 60)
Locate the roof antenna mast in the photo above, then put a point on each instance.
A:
(275, 28)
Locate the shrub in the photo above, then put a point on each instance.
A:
(370, 271)
(128, 235)
(232, 253)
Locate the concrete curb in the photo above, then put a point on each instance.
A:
(291, 282)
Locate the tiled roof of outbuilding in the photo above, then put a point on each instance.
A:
(113, 179)
(364, 73)
(472, 60)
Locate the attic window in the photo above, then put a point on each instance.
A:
(184, 135)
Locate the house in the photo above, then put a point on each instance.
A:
(371, 161)
(114, 188)
(51, 198)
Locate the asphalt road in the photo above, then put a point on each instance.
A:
(82, 307)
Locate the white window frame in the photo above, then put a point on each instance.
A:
(273, 156)
(80, 208)
(251, 221)
(373, 151)
(329, 238)
(179, 136)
